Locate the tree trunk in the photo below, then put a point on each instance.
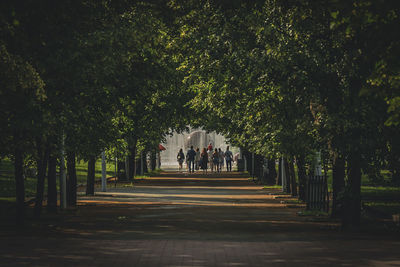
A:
(132, 160)
(279, 180)
(72, 179)
(394, 164)
(338, 174)
(152, 160)
(91, 176)
(258, 167)
(19, 185)
(355, 186)
(288, 187)
(293, 182)
(301, 172)
(52, 185)
(121, 172)
(127, 164)
(271, 178)
(137, 167)
(42, 159)
(145, 167)
(247, 155)
(352, 214)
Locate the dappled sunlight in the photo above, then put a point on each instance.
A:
(190, 203)
(195, 178)
(206, 188)
(187, 195)
(230, 194)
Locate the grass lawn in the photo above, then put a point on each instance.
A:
(7, 181)
(382, 201)
(385, 208)
(364, 179)
(81, 171)
(272, 187)
(383, 193)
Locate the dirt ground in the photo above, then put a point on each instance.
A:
(192, 221)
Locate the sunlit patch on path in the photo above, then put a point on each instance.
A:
(225, 192)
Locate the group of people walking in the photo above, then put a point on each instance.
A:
(207, 158)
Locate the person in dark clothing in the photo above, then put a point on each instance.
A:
(190, 156)
(228, 159)
(215, 159)
(180, 157)
(204, 160)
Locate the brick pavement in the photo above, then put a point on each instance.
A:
(196, 222)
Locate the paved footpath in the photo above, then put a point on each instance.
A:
(192, 221)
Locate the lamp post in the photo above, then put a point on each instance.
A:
(127, 168)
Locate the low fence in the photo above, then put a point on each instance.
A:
(317, 195)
